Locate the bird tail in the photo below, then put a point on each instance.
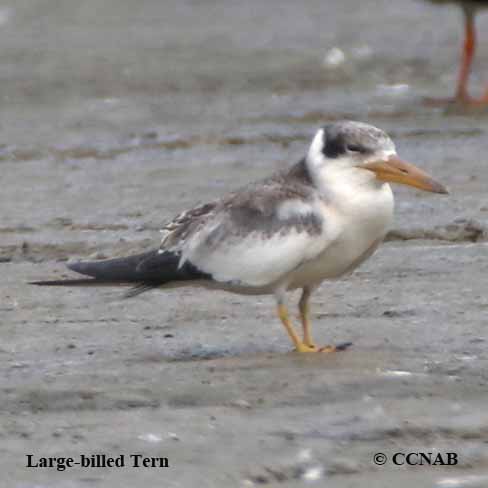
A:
(144, 271)
(78, 282)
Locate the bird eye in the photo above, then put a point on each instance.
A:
(354, 148)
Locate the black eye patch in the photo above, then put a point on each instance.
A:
(338, 142)
(334, 147)
(356, 148)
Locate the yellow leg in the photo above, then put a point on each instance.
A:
(285, 320)
(303, 306)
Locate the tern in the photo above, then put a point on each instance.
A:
(317, 220)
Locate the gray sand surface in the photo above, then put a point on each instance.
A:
(115, 116)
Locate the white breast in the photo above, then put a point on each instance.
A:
(360, 222)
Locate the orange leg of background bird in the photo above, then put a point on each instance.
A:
(461, 96)
(467, 57)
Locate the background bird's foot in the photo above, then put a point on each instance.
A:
(461, 102)
(438, 101)
(313, 348)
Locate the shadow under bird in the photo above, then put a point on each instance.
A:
(461, 96)
(315, 221)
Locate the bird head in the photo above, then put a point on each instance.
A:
(364, 153)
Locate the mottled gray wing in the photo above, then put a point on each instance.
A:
(253, 237)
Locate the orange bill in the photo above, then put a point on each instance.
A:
(395, 170)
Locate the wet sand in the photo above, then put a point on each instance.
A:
(116, 117)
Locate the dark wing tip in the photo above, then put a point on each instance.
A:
(76, 266)
(38, 283)
(75, 282)
(116, 270)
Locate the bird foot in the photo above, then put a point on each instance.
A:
(441, 101)
(313, 348)
(461, 102)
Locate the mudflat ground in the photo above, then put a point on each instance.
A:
(116, 117)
